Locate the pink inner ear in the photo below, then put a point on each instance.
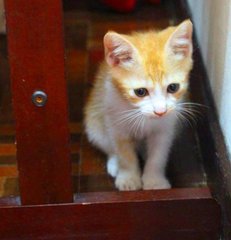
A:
(181, 40)
(113, 60)
(181, 45)
(181, 48)
(117, 50)
(119, 54)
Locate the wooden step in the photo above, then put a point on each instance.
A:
(99, 211)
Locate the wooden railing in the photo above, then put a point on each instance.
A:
(36, 56)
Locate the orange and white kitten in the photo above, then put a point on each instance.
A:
(137, 98)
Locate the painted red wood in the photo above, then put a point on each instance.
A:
(189, 214)
(36, 55)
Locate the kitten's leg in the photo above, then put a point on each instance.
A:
(113, 165)
(154, 171)
(128, 176)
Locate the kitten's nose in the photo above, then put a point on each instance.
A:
(160, 113)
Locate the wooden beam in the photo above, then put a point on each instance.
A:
(187, 214)
(36, 56)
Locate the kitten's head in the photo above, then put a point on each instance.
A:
(150, 69)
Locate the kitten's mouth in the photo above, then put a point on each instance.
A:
(160, 113)
(157, 115)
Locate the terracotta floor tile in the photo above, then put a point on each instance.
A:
(92, 161)
(2, 186)
(11, 187)
(96, 55)
(96, 183)
(7, 129)
(76, 33)
(76, 61)
(7, 149)
(7, 160)
(75, 127)
(8, 171)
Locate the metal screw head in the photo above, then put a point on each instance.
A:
(39, 98)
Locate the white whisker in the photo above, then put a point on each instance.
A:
(132, 119)
(126, 116)
(138, 125)
(188, 112)
(184, 118)
(132, 129)
(192, 105)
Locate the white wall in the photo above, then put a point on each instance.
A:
(212, 19)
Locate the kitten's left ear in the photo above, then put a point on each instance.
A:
(179, 45)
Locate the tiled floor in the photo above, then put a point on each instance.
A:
(84, 30)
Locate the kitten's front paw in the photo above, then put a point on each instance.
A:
(155, 183)
(128, 181)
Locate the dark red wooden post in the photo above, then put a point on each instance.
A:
(36, 55)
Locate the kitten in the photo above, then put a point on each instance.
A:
(137, 98)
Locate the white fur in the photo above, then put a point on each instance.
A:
(157, 132)
(112, 166)
(128, 180)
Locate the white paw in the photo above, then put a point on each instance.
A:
(155, 183)
(128, 181)
(112, 166)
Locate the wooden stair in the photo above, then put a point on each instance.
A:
(187, 211)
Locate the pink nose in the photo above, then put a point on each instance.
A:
(160, 113)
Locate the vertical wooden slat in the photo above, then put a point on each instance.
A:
(36, 55)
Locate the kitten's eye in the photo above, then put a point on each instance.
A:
(173, 87)
(141, 92)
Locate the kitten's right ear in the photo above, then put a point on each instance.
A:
(179, 45)
(118, 50)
